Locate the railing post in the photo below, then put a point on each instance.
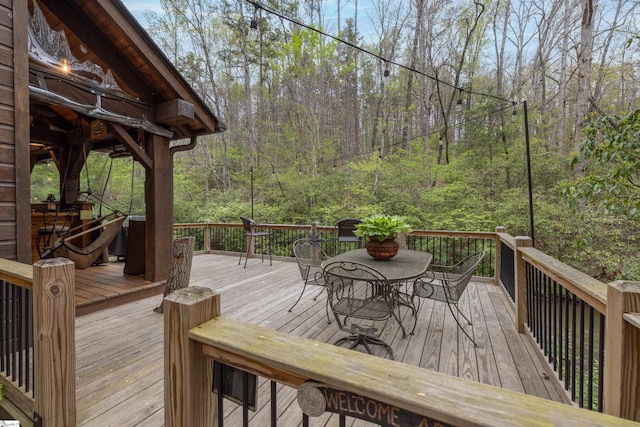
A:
(54, 361)
(498, 262)
(622, 351)
(207, 237)
(188, 375)
(521, 282)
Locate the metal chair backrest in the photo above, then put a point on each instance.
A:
(309, 255)
(346, 227)
(459, 275)
(358, 291)
(246, 222)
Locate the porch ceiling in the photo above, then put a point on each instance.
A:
(106, 44)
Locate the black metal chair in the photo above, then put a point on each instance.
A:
(346, 227)
(55, 224)
(309, 255)
(254, 233)
(447, 284)
(362, 301)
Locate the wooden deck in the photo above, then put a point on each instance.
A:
(120, 349)
(106, 286)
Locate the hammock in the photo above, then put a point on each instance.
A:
(84, 257)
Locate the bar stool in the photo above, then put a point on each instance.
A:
(252, 234)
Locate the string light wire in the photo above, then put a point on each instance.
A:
(258, 5)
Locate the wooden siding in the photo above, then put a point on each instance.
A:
(120, 350)
(14, 131)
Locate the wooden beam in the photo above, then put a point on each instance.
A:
(20, 15)
(147, 49)
(124, 138)
(174, 112)
(48, 136)
(79, 23)
(158, 196)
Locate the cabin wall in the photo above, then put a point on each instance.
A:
(15, 242)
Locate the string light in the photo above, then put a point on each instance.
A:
(386, 77)
(64, 65)
(253, 30)
(258, 5)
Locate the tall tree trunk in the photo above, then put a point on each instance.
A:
(584, 72)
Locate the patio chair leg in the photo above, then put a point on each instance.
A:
(363, 340)
(299, 298)
(460, 325)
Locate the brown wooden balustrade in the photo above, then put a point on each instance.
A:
(360, 381)
(586, 330)
(37, 349)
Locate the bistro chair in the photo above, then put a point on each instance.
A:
(346, 227)
(447, 284)
(255, 233)
(362, 302)
(55, 224)
(309, 255)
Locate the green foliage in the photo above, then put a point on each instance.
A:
(610, 153)
(382, 226)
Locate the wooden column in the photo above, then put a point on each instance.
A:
(207, 237)
(521, 282)
(159, 209)
(498, 264)
(188, 375)
(54, 362)
(21, 229)
(622, 352)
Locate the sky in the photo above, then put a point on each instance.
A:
(138, 7)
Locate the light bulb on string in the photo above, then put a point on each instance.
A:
(459, 101)
(386, 77)
(253, 30)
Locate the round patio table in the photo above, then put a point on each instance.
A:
(408, 264)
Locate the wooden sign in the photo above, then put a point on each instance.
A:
(315, 399)
(232, 384)
(98, 129)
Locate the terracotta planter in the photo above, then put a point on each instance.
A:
(384, 250)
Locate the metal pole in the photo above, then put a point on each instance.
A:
(251, 173)
(526, 139)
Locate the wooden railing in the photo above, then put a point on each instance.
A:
(392, 390)
(546, 294)
(37, 341)
(444, 245)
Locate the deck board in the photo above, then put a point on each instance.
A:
(120, 358)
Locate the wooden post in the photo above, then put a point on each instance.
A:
(622, 352)
(188, 375)
(521, 282)
(54, 362)
(207, 237)
(498, 262)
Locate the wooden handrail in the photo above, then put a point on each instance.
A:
(585, 287)
(293, 360)
(16, 273)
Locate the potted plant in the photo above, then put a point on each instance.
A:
(380, 231)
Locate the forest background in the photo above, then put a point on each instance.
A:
(315, 130)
